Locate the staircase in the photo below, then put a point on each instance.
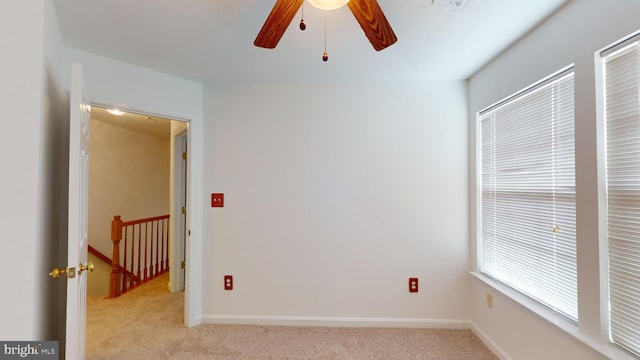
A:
(140, 252)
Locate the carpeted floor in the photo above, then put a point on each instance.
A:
(147, 324)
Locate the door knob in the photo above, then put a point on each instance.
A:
(83, 268)
(68, 272)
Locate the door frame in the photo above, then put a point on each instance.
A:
(179, 221)
(191, 318)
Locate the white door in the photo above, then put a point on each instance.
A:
(78, 209)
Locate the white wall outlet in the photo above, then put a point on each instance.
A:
(489, 300)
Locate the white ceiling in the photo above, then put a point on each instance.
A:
(211, 41)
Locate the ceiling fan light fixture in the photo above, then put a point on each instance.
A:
(328, 4)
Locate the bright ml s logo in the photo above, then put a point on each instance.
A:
(22, 351)
(28, 350)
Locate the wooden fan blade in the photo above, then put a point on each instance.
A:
(373, 23)
(277, 23)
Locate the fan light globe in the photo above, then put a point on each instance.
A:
(328, 4)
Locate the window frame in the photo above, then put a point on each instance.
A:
(558, 75)
(603, 205)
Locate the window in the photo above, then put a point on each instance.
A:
(622, 128)
(527, 187)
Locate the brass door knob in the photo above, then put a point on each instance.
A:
(68, 272)
(83, 268)
(55, 273)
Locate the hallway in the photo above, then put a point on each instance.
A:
(129, 324)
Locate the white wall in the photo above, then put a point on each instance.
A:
(572, 35)
(21, 36)
(116, 84)
(98, 282)
(31, 96)
(336, 194)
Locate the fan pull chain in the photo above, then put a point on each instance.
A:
(303, 25)
(325, 56)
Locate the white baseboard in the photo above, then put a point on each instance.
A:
(336, 321)
(489, 342)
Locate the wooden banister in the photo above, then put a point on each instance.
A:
(116, 237)
(140, 263)
(93, 251)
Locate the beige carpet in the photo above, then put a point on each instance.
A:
(147, 324)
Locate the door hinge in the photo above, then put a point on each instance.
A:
(184, 155)
(184, 210)
(183, 265)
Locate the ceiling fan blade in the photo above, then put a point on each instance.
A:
(277, 23)
(373, 23)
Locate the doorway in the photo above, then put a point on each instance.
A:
(137, 170)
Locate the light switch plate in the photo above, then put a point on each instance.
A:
(217, 200)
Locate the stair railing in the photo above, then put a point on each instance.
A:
(144, 253)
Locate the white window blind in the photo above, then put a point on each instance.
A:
(527, 222)
(622, 122)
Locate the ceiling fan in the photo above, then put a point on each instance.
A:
(367, 12)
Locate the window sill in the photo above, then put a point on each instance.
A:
(605, 349)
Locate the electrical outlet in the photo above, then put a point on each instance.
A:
(489, 300)
(413, 285)
(228, 282)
